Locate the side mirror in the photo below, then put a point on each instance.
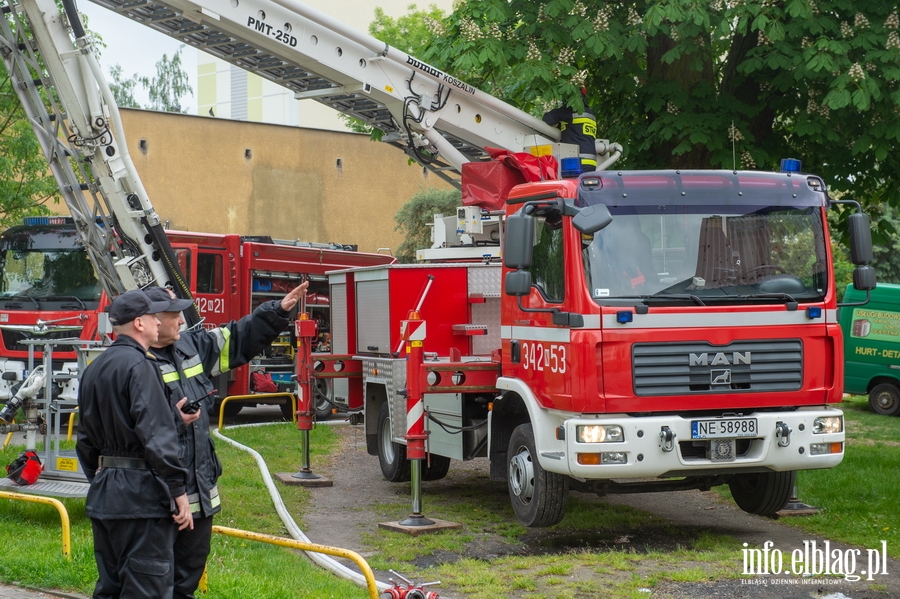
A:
(860, 240)
(518, 282)
(518, 245)
(591, 219)
(864, 278)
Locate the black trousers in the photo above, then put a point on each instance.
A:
(191, 551)
(134, 558)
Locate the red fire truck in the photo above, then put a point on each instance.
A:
(48, 290)
(657, 331)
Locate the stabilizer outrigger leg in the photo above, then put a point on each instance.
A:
(307, 330)
(413, 334)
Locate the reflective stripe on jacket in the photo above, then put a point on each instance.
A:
(187, 367)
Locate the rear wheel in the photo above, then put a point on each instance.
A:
(762, 493)
(391, 456)
(884, 399)
(538, 497)
(435, 467)
(322, 395)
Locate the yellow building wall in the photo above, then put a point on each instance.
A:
(222, 176)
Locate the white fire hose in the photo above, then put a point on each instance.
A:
(321, 560)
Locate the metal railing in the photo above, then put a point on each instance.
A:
(63, 515)
(371, 584)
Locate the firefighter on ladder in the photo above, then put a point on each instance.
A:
(579, 128)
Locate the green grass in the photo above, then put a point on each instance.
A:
(618, 571)
(858, 498)
(31, 553)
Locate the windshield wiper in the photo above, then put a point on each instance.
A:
(63, 298)
(15, 297)
(790, 303)
(681, 296)
(665, 296)
(782, 296)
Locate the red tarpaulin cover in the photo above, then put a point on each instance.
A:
(487, 184)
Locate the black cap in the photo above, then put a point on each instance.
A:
(133, 304)
(161, 294)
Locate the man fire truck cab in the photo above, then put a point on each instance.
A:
(650, 330)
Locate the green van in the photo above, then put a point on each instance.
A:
(872, 347)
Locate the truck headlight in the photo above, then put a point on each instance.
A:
(599, 433)
(828, 424)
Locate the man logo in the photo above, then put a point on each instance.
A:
(720, 377)
(720, 359)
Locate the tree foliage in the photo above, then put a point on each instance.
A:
(690, 84)
(25, 183)
(165, 89)
(409, 33)
(415, 215)
(169, 85)
(123, 88)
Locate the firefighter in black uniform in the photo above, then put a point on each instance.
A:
(577, 128)
(128, 448)
(188, 360)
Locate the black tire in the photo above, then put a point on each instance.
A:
(287, 410)
(435, 467)
(233, 408)
(391, 456)
(762, 493)
(322, 395)
(884, 399)
(538, 497)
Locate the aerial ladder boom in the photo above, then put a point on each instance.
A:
(436, 118)
(71, 109)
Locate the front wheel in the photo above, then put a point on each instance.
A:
(538, 497)
(762, 493)
(884, 399)
(391, 456)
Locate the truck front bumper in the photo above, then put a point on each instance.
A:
(667, 446)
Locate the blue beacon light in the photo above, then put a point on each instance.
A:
(791, 165)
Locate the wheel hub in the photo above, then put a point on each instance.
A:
(521, 475)
(885, 400)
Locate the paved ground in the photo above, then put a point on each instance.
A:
(11, 592)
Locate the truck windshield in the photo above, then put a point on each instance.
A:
(46, 266)
(707, 237)
(709, 254)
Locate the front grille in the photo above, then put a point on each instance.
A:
(12, 339)
(701, 368)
